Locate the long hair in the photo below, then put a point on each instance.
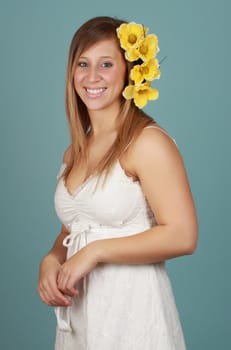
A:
(132, 120)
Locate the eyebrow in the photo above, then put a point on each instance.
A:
(99, 57)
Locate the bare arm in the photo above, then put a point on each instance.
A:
(48, 274)
(156, 161)
(58, 251)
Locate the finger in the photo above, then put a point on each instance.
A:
(51, 295)
(62, 279)
(60, 300)
(70, 287)
(71, 292)
(67, 288)
(66, 283)
(57, 298)
(45, 298)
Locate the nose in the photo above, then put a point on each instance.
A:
(93, 75)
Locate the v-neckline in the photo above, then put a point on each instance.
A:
(93, 176)
(78, 188)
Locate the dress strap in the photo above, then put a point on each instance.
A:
(152, 127)
(165, 132)
(61, 171)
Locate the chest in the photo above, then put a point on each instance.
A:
(117, 200)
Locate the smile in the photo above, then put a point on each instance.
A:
(95, 92)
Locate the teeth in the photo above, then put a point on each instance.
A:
(95, 91)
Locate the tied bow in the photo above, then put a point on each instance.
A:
(76, 229)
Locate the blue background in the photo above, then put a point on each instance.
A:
(194, 106)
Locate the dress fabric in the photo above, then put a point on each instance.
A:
(120, 307)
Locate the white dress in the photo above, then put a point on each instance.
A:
(120, 307)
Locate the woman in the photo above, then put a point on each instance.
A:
(123, 198)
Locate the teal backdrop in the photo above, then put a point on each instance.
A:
(194, 106)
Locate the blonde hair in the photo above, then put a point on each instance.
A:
(132, 120)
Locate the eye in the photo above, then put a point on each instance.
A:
(107, 64)
(82, 64)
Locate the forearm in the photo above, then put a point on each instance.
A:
(48, 274)
(58, 250)
(155, 245)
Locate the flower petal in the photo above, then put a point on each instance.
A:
(143, 93)
(148, 47)
(128, 92)
(140, 99)
(132, 55)
(151, 69)
(136, 74)
(153, 94)
(130, 35)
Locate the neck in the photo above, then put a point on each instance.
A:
(103, 121)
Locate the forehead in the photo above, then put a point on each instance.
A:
(106, 47)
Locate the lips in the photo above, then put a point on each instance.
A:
(95, 92)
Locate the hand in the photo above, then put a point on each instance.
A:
(47, 284)
(75, 268)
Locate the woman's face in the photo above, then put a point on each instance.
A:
(100, 76)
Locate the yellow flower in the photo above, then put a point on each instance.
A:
(132, 55)
(146, 71)
(130, 35)
(148, 48)
(140, 93)
(140, 47)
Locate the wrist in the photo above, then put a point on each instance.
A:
(51, 257)
(96, 251)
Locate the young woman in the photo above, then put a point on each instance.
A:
(123, 198)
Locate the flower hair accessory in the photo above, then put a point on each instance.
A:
(142, 48)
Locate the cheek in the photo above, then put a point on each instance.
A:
(119, 78)
(123, 81)
(123, 74)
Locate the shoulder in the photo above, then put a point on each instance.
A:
(67, 155)
(153, 148)
(154, 141)
(155, 133)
